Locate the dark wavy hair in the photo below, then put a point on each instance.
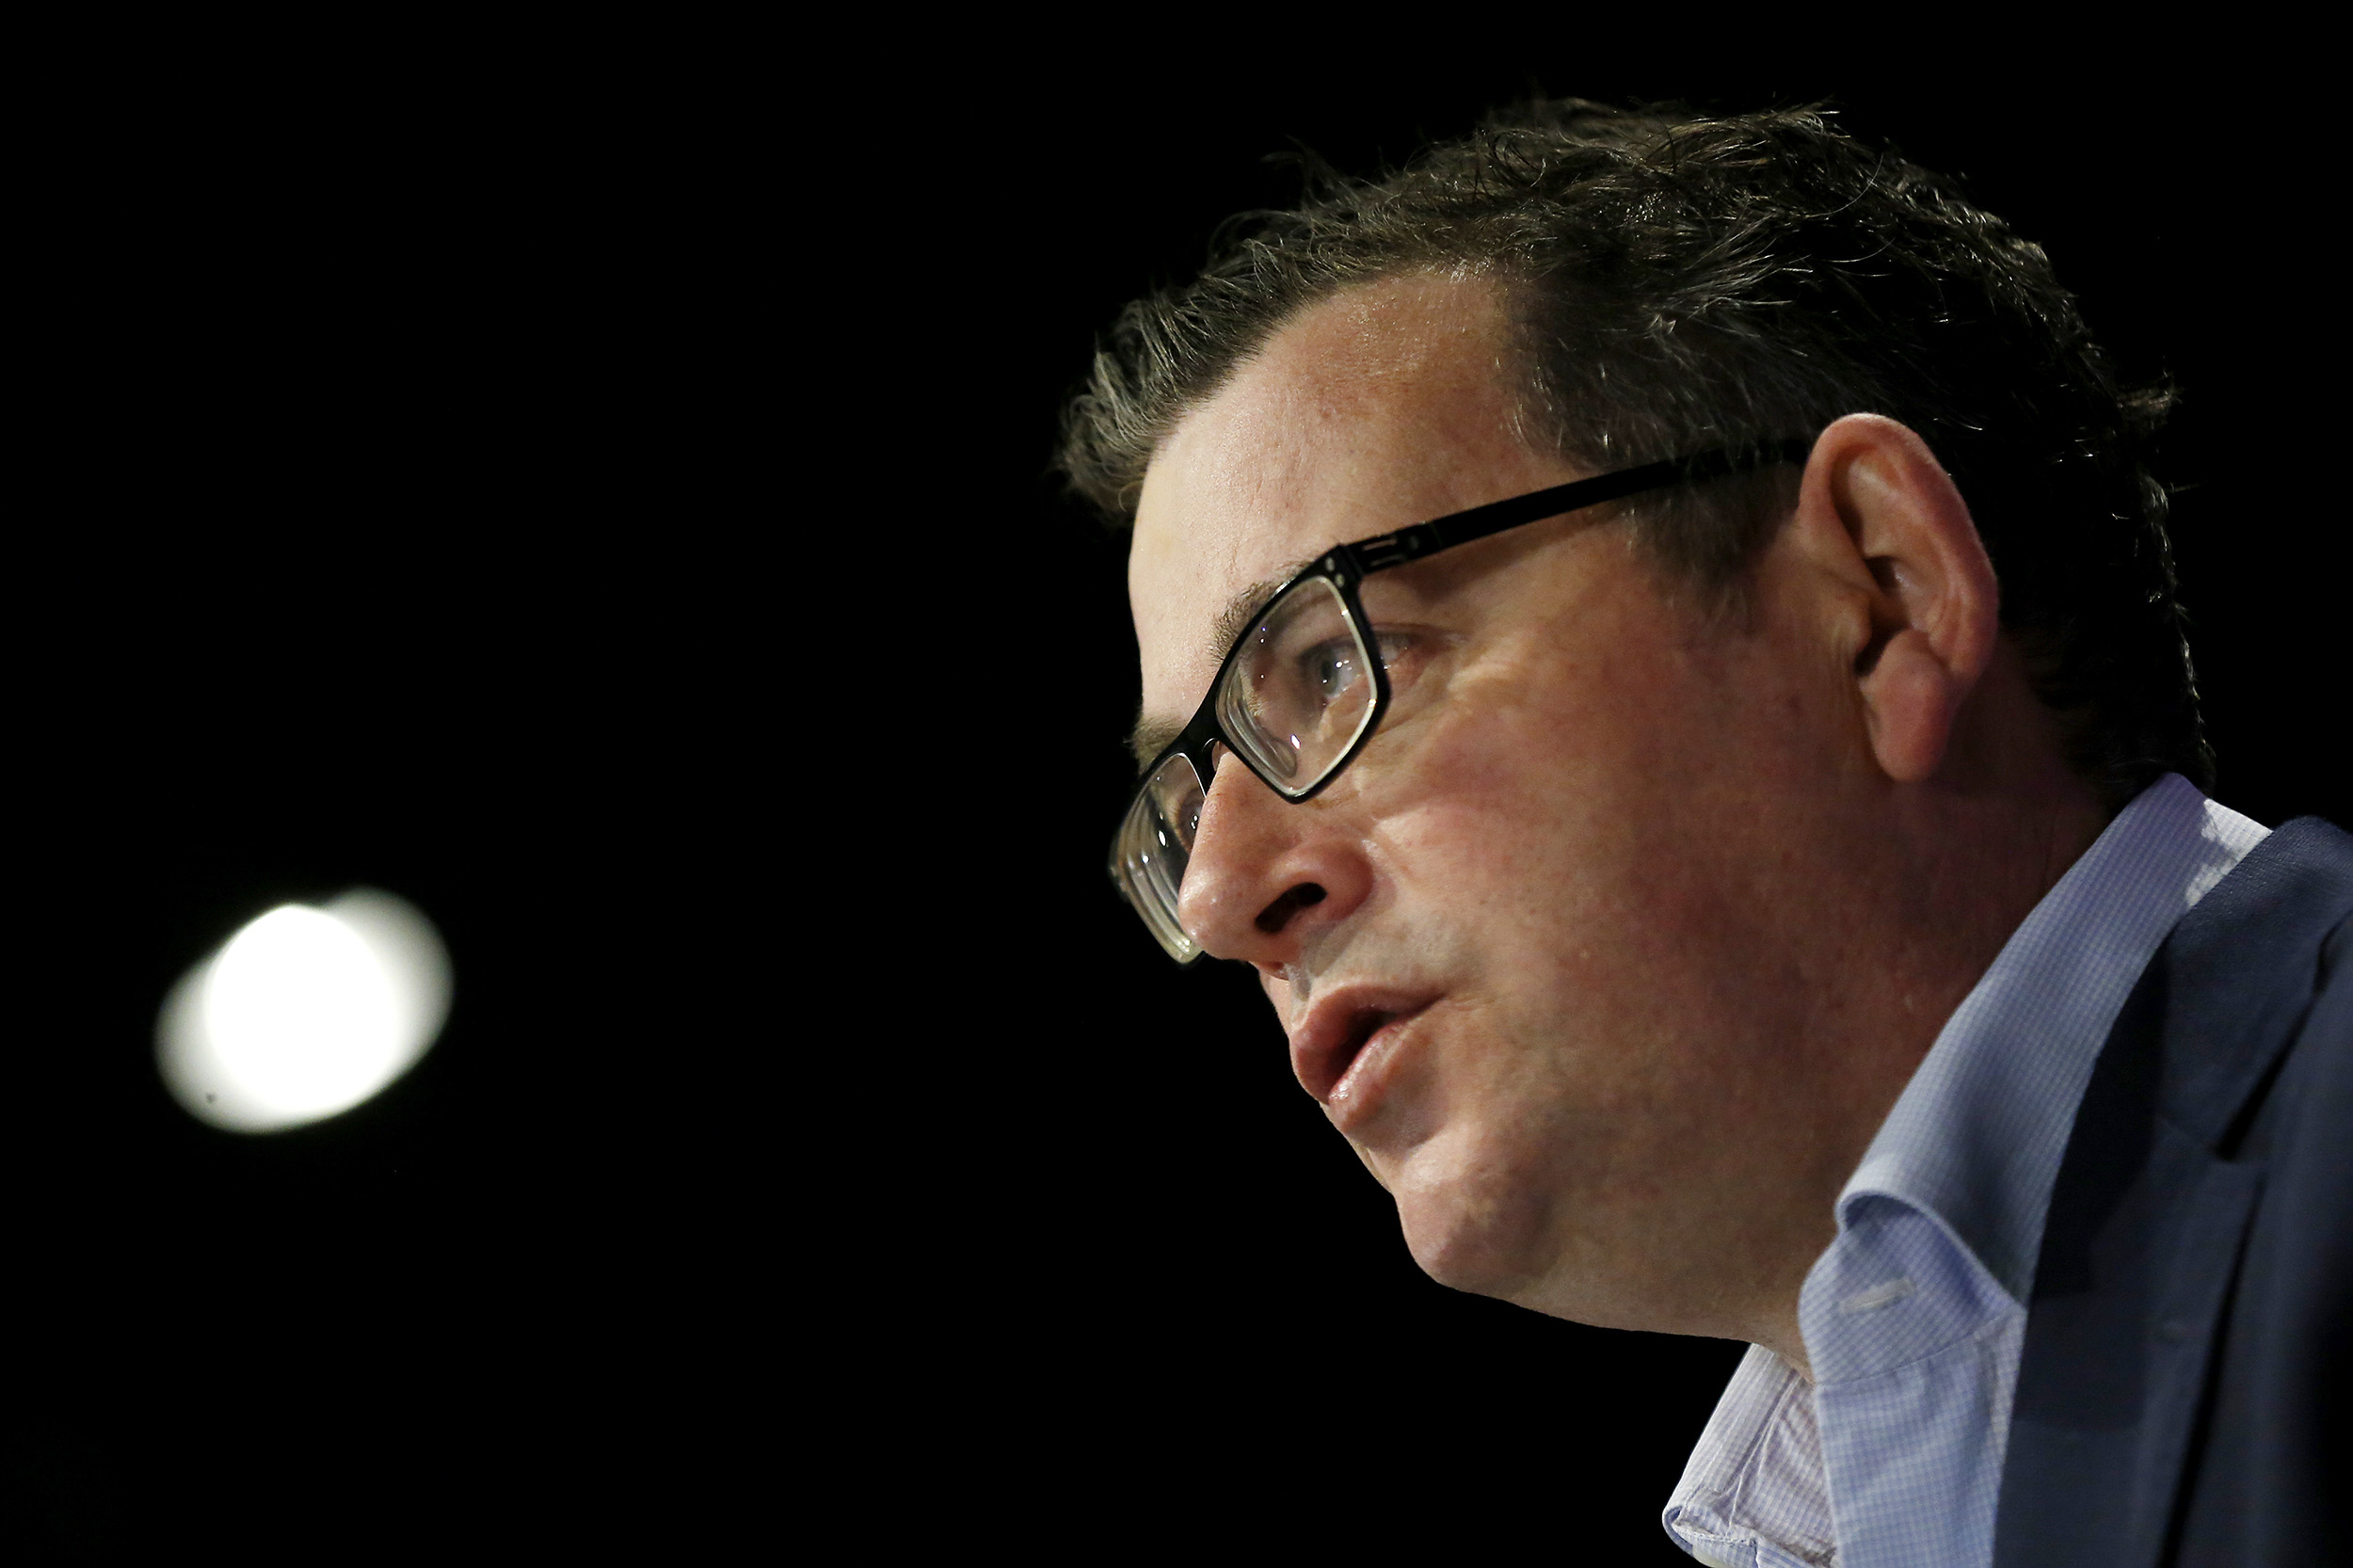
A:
(1676, 283)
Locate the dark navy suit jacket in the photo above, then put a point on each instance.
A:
(2183, 1393)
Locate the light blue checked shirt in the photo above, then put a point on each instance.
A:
(1914, 1317)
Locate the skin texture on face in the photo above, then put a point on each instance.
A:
(1612, 948)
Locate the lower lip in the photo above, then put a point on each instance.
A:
(1358, 1092)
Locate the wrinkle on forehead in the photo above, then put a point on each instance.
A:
(1360, 415)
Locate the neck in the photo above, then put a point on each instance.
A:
(1957, 865)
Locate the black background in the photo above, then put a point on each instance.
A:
(600, 493)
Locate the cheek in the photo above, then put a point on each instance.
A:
(1564, 862)
(1573, 796)
(1532, 816)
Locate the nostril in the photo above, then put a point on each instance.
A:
(1275, 916)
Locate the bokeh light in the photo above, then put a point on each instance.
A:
(304, 1012)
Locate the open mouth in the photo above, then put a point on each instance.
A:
(1326, 1052)
(1361, 1029)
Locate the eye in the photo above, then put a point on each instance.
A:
(1330, 669)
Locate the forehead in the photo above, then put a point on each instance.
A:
(1382, 405)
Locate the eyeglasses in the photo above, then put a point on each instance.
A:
(1302, 690)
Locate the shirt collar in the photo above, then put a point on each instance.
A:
(1977, 1137)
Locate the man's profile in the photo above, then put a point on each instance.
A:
(1660, 646)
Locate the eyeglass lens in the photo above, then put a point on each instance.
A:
(1155, 842)
(1299, 691)
(1297, 696)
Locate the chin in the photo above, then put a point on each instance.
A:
(1485, 1244)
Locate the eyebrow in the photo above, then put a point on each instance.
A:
(1151, 736)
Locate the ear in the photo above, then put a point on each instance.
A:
(1913, 603)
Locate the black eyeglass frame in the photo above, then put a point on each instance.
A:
(1346, 566)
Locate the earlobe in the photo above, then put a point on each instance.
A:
(1899, 537)
(1910, 701)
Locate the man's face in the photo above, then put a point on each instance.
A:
(1537, 950)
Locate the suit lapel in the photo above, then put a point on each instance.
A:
(2150, 1212)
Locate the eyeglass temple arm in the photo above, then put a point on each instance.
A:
(1410, 544)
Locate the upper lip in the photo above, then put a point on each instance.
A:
(1337, 1026)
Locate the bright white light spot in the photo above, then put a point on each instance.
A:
(305, 1013)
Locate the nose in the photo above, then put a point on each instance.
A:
(1266, 875)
